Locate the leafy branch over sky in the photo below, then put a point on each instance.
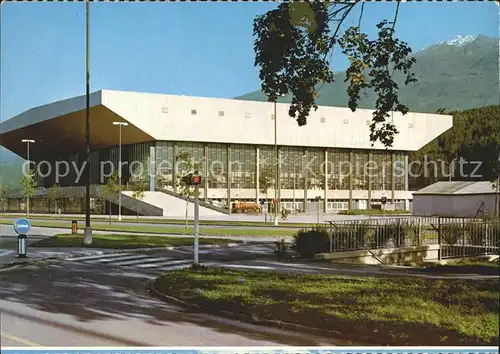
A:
(294, 45)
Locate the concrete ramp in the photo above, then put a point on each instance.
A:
(174, 206)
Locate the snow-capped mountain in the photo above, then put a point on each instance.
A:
(459, 40)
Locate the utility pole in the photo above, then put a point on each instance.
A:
(195, 180)
(276, 183)
(87, 237)
(120, 124)
(196, 223)
(28, 141)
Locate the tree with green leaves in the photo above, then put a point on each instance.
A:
(474, 137)
(28, 181)
(52, 197)
(139, 191)
(187, 165)
(294, 45)
(110, 189)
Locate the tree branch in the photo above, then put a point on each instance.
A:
(395, 15)
(361, 14)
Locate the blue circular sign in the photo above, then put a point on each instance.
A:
(22, 226)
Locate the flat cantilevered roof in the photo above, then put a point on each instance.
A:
(60, 126)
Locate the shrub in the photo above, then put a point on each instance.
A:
(411, 232)
(352, 236)
(450, 233)
(389, 232)
(476, 232)
(310, 242)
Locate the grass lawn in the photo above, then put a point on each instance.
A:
(390, 311)
(466, 267)
(374, 212)
(223, 231)
(282, 224)
(121, 241)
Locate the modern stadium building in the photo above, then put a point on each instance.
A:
(329, 163)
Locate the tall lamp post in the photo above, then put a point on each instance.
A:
(120, 124)
(295, 180)
(87, 234)
(28, 142)
(277, 184)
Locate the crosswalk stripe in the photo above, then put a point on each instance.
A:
(101, 256)
(156, 265)
(149, 260)
(113, 260)
(175, 267)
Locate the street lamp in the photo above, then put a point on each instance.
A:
(295, 181)
(87, 234)
(120, 124)
(28, 141)
(277, 186)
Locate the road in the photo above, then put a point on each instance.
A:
(97, 304)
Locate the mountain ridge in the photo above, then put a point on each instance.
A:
(457, 76)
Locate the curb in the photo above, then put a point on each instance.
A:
(235, 316)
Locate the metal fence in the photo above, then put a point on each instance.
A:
(457, 237)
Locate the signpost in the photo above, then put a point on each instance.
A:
(21, 227)
(318, 200)
(383, 200)
(262, 202)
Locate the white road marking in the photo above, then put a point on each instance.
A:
(156, 265)
(6, 253)
(85, 258)
(138, 261)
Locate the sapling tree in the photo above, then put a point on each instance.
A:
(110, 189)
(52, 197)
(28, 181)
(139, 191)
(188, 165)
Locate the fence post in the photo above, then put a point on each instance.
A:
(331, 237)
(463, 238)
(439, 241)
(486, 240)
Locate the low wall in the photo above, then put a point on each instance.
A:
(400, 256)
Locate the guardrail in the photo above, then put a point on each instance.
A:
(457, 237)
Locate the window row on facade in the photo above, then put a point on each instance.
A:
(248, 166)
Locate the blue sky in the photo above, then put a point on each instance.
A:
(201, 49)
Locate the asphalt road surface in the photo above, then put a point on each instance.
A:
(92, 304)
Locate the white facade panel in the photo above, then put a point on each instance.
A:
(184, 118)
(452, 205)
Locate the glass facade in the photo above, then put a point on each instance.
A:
(164, 164)
(138, 162)
(299, 167)
(382, 170)
(243, 166)
(400, 171)
(314, 166)
(217, 165)
(267, 168)
(293, 167)
(338, 169)
(360, 177)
